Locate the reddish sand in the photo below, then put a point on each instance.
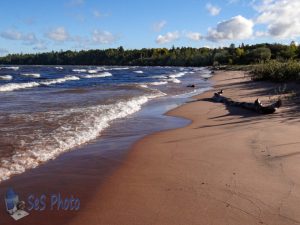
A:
(229, 166)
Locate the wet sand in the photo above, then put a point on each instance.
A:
(229, 166)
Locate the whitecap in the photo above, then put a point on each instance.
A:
(138, 71)
(6, 77)
(59, 80)
(33, 75)
(89, 124)
(10, 67)
(79, 70)
(17, 86)
(104, 74)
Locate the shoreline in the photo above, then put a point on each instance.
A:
(229, 166)
(225, 167)
(65, 173)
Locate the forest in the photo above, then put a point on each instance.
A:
(175, 56)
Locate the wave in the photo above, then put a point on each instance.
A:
(176, 75)
(92, 71)
(138, 71)
(157, 83)
(59, 68)
(104, 74)
(174, 80)
(33, 75)
(117, 68)
(79, 70)
(18, 86)
(6, 77)
(143, 85)
(59, 80)
(9, 67)
(87, 123)
(159, 77)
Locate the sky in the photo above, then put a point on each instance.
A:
(39, 26)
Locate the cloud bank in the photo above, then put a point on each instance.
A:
(236, 28)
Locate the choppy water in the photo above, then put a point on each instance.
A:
(47, 110)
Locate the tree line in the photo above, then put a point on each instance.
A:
(184, 56)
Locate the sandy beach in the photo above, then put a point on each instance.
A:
(228, 166)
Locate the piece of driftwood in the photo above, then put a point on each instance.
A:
(257, 106)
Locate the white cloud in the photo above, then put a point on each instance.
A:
(58, 34)
(16, 35)
(282, 17)
(103, 37)
(168, 37)
(195, 36)
(236, 28)
(213, 10)
(159, 25)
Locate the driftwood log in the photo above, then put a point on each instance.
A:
(257, 106)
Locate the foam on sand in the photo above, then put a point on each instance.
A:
(87, 123)
(6, 77)
(33, 75)
(104, 74)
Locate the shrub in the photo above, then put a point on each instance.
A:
(277, 71)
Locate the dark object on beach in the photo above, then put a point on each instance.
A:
(21, 205)
(257, 106)
(191, 86)
(212, 72)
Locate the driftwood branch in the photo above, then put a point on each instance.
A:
(257, 106)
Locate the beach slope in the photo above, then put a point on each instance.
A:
(229, 166)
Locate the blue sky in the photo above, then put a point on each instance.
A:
(38, 26)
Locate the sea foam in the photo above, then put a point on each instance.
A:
(9, 67)
(79, 70)
(89, 122)
(104, 74)
(18, 86)
(33, 75)
(6, 77)
(138, 71)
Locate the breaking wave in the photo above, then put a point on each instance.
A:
(6, 77)
(79, 70)
(84, 124)
(33, 75)
(104, 74)
(9, 67)
(18, 86)
(138, 71)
